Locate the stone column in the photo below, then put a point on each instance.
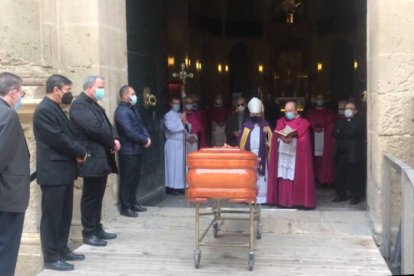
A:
(390, 62)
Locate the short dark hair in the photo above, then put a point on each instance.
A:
(174, 98)
(56, 81)
(123, 90)
(8, 82)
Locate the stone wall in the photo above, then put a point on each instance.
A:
(390, 62)
(74, 38)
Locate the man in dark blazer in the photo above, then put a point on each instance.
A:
(97, 134)
(57, 154)
(14, 172)
(235, 122)
(134, 138)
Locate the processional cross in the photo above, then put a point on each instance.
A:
(183, 75)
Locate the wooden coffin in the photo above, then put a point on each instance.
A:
(222, 173)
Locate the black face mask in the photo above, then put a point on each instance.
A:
(67, 98)
(256, 119)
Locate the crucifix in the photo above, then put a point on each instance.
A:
(183, 75)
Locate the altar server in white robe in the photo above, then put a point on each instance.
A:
(174, 124)
(255, 137)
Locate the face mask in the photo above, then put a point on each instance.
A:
(219, 102)
(241, 109)
(189, 107)
(67, 98)
(176, 107)
(18, 104)
(99, 93)
(348, 113)
(319, 103)
(195, 106)
(290, 115)
(341, 112)
(133, 100)
(256, 119)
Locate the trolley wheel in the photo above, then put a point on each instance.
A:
(215, 229)
(251, 261)
(197, 258)
(259, 229)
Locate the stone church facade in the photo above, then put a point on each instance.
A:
(77, 38)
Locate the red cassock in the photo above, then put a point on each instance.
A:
(324, 166)
(299, 192)
(197, 121)
(219, 114)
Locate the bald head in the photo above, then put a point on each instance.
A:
(290, 106)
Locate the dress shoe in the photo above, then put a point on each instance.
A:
(339, 199)
(355, 200)
(105, 235)
(139, 208)
(72, 256)
(129, 213)
(94, 241)
(59, 265)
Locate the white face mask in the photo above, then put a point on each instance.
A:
(189, 106)
(241, 108)
(349, 113)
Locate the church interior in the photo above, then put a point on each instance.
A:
(276, 50)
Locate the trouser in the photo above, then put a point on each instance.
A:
(129, 174)
(348, 175)
(11, 227)
(91, 204)
(57, 206)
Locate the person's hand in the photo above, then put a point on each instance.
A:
(183, 117)
(287, 140)
(191, 139)
(82, 160)
(117, 146)
(236, 133)
(148, 144)
(318, 129)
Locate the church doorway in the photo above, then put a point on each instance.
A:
(274, 50)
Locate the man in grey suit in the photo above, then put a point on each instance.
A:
(58, 152)
(14, 172)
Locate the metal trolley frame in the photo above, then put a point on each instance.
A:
(255, 231)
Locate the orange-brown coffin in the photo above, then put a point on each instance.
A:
(222, 173)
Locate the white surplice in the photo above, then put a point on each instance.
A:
(319, 143)
(261, 179)
(287, 159)
(218, 135)
(174, 150)
(194, 146)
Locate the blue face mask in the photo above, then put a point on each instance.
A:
(99, 93)
(133, 100)
(290, 115)
(176, 107)
(18, 104)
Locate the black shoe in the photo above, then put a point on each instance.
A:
(339, 199)
(59, 265)
(105, 235)
(355, 200)
(69, 255)
(129, 213)
(138, 208)
(94, 240)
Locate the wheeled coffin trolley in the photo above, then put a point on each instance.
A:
(219, 174)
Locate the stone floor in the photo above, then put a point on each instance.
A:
(331, 240)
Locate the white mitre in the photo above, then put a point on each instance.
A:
(255, 105)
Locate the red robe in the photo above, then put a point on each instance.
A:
(301, 191)
(219, 114)
(324, 166)
(195, 118)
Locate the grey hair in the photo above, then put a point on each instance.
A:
(90, 80)
(8, 82)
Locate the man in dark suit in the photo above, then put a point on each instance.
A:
(235, 122)
(14, 172)
(56, 158)
(97, 134)
(349, 133)
(134, 138)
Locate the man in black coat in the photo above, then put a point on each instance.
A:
(235, 122)
(57, 154)
(14, 172)
(349, 150)
(134, 138)
(97, 134)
